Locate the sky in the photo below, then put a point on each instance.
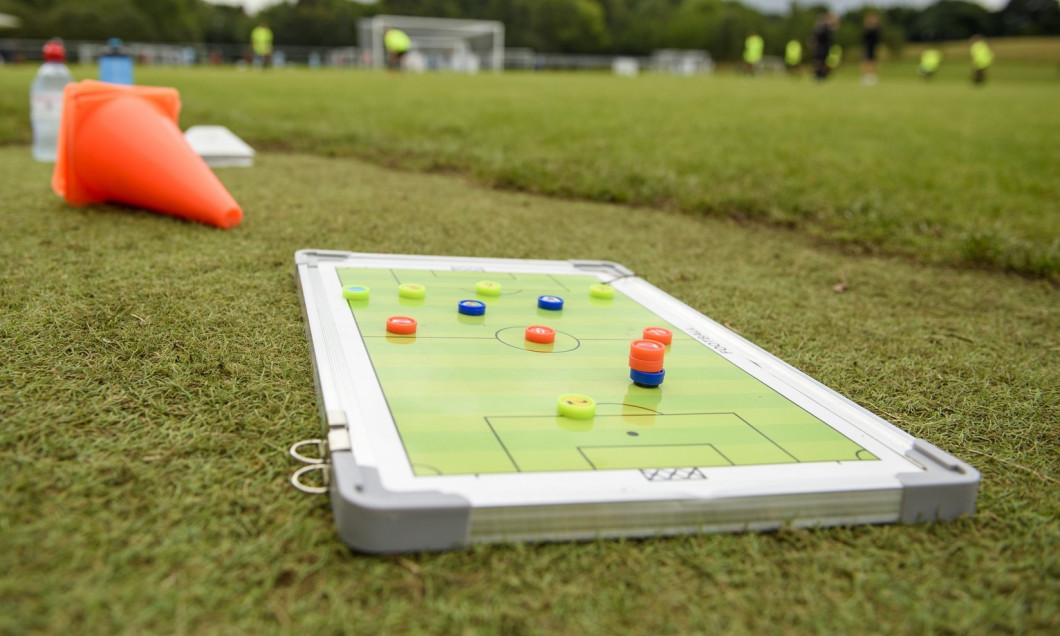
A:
(771, 6)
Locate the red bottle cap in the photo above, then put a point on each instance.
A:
(54, 51)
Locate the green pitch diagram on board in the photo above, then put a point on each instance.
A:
(471, 394)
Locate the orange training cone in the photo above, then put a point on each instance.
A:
(122, 144)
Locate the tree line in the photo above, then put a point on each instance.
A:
(627, 27)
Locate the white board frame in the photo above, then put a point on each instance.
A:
(380, 505)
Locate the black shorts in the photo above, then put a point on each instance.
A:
(394, 59)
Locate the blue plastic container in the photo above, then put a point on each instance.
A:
(115, 65)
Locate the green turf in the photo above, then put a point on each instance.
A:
(943, 172)
(155, 371)
(469, 395)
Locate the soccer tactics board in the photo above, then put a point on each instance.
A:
(470, 400)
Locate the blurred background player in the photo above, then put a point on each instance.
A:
(397, 44)
(870, 37)
(793, 57)
(930, 60)
(982, 58)
(823, 40)
(835, 58)
(753, 47)
(261, 43)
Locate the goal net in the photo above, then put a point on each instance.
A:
(437, 43)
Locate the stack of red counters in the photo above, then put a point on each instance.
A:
(646, 357)
(646, 362)
(659, 334)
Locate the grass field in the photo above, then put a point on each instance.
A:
(155, 371)
(941, 172)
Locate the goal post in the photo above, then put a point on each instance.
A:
(451, 44)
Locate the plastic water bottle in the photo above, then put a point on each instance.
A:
(115, 65)
(46, 100)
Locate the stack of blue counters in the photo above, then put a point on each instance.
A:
(551, 303)
(471, 307)
(645, 379)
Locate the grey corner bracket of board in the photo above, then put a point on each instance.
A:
(373, 519)
(946, 489)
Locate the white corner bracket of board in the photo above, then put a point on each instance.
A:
(451, 435)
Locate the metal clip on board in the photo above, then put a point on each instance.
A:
(313, 464)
